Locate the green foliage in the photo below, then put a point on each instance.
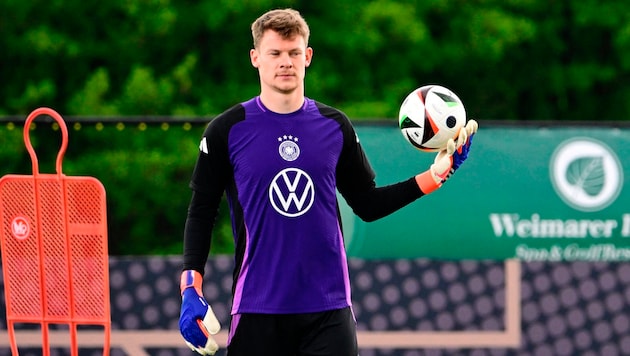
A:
(91, 98)
(517, 60)
(145, 170)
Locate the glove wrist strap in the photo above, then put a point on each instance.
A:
(427, 182)
(191, 278)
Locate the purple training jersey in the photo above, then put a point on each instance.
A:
(280, 173)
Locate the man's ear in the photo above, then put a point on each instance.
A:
(309, 56)
(253, 57)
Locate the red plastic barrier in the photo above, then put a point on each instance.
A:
(54, 248)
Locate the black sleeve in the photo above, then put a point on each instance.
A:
(355, 182)
(210, 177)
(202, 214)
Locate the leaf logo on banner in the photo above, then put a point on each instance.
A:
(587, 173)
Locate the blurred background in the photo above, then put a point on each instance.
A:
(508, 60)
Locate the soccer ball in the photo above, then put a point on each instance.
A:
(429, 116)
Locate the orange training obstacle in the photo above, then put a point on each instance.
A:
(54, 248)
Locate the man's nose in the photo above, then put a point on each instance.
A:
(286, 61)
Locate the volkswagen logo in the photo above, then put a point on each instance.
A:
(291, 192)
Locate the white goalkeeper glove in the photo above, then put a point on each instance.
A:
(197, 322)
(448, 160)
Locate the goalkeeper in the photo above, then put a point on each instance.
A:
(280, 157)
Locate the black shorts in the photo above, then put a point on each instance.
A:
(329, 333)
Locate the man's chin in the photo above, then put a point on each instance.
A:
(286, 90)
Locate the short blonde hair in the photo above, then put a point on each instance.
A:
(286, 22)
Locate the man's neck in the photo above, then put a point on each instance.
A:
(282, 103)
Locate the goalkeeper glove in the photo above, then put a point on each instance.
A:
(448, 160)
(197, 322)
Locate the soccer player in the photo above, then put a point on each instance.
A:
(280, 157)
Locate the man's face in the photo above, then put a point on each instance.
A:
(281, 62)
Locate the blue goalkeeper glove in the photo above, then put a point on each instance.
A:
(197, 322)
(448, 160)
(461, 153)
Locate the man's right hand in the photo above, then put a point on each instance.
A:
(197, 322)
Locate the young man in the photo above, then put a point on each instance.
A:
(280, 157)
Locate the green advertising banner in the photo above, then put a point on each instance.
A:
(533, 193)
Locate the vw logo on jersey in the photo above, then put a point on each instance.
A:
(288, 149)
(292, 192)
(586, 174)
